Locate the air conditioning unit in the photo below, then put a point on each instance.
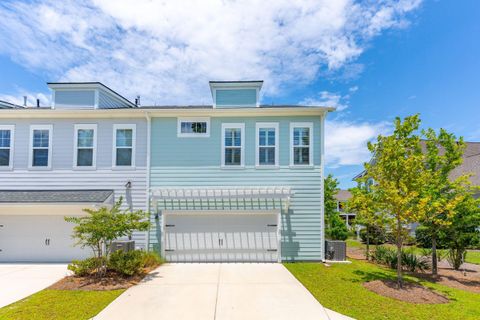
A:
(335, 250)
(125, 245)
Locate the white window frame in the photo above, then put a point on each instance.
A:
(266, 125)
(116, 127)
(240, 126)
(12, 145)
(34, 127)
(94, 147)
(193, 135)
(308, 125)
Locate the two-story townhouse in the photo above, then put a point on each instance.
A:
(86, 150)
(236, 180)
(230, 181)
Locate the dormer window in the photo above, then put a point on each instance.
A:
(236, 94)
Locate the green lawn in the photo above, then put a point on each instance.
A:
(473, 257)
(60, 304)
(339, 287)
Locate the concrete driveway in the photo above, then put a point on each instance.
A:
(218, 291)
(21, 280)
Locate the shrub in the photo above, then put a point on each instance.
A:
(151, 259)
(126, 263)
(376, 235)
(85, 267)
(410, 261)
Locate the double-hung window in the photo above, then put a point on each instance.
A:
(301, 153)
(124, 145)
(6, 146)
(233, 144)
(41, 146)
(266, 144)
(193, 127)
(85, 145)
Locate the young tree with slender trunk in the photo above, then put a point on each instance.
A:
(364, 205)
(398, 173)
(441, 194)
(335, 227)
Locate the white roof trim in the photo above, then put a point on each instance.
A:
(216, 193)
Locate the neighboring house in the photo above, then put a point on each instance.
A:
(55, 161)
(231, 181)
(342, 197)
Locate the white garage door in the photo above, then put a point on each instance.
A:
(221, 238)
(37, 239)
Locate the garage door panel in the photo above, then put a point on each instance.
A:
(38, 239)
(221, 238)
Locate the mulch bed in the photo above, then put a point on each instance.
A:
(468, 278)
(112, 281)
(411, 292)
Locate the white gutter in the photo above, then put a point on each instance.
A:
(147, 205)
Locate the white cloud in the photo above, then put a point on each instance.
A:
(326, 98)
(168, 50)
(346, 142)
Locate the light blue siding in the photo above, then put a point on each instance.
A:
(195, 162)
(170, 150)
(226, 98)
(106, 101)
(74, 98)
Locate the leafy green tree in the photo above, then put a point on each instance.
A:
(440, 195)
(398, 172)
(368, 213)
(335, 227)
(464, 230)
(100, 227)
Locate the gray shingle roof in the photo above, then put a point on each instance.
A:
(343, 195)
(54, 196)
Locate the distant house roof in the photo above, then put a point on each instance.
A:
(55, 196)
(470, 164)
(343, 195)
(8, 105)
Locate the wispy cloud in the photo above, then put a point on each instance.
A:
(167, 50)
(346, 142)
(32, 97)
(330, 99)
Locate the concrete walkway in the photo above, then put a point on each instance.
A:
(218, 291)
(18, 281)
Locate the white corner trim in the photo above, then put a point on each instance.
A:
(75, 145)
(11, 149)
(308, 125)
(34, 127)
(240, 126)
(262, 125)
(193, 135)
(116, 127)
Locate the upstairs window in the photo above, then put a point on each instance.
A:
(267, 144)
(41, 146)
(85, 145)
(193, 127)
(233, 144)
(301, 144)
(124, 145)
(6, 146)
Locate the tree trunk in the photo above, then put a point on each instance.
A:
(399, 254)
(367, 253)
(434, 255)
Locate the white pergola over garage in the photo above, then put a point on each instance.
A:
(238, 224)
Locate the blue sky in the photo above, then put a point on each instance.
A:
(374, 60)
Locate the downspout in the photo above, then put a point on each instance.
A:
(322, 194)
(147, 205)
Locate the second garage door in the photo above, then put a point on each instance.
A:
(221, 238)
(38, 239)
